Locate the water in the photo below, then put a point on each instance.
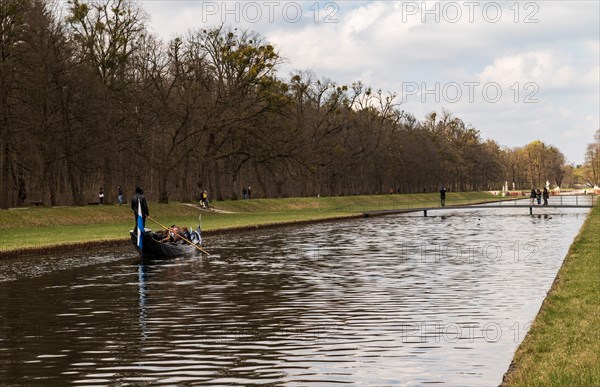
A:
(399, 300)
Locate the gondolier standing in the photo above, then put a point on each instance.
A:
(139, 201)
(443, 196)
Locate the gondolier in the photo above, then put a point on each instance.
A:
(139, 201)
(443, 197)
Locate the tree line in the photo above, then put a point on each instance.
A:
(92, 99)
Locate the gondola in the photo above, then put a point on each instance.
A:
(152, 247)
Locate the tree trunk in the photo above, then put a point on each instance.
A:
(106, 183)
(74, 183)
(22, 195)
(50, 183)
(185, 195)
(4, 177)
(163, 195)
(216, 177)
(260, 180)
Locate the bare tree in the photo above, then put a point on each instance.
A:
(107, 32)
(12, 34)
(100, 100)
(591, 167)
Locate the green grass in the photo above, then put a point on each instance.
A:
(353, 204)
(30, 228)
(562, 347)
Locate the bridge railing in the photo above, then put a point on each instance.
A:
(450, 202)
(558, 200)
(575, 199)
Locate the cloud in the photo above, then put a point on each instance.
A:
(552, 46)
(536, 66)
(550, 69)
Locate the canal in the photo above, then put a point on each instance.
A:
(395, 300)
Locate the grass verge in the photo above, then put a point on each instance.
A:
(562, 348)
(32, 229)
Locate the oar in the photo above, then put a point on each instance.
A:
(188, 241)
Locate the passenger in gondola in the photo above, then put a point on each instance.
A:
(172, 234)
(175, 234)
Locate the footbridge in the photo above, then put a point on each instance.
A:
(563, 201)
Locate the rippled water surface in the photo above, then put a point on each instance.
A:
(398, 300)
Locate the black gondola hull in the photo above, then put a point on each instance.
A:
(152, 248)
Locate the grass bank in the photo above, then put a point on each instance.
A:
(36, 228)
(562, 348)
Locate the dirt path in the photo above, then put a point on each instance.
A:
(209, 210)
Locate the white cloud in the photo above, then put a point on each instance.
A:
(386, 44)
(536, 66)
(550, 69)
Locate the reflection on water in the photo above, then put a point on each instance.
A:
(142, 291)
(394, 300)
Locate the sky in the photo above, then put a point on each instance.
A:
(517, 71)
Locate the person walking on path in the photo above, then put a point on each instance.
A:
(120, 195)
(101, 196)
(546, 196)
(443, 196)
(136, 201)
(249, 192)
(244, 193)
(538, 195)
(532, 195)
(204, 199)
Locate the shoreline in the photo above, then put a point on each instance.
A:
(42, 231)
(123, 241)
(559, 348)
(38, 251)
